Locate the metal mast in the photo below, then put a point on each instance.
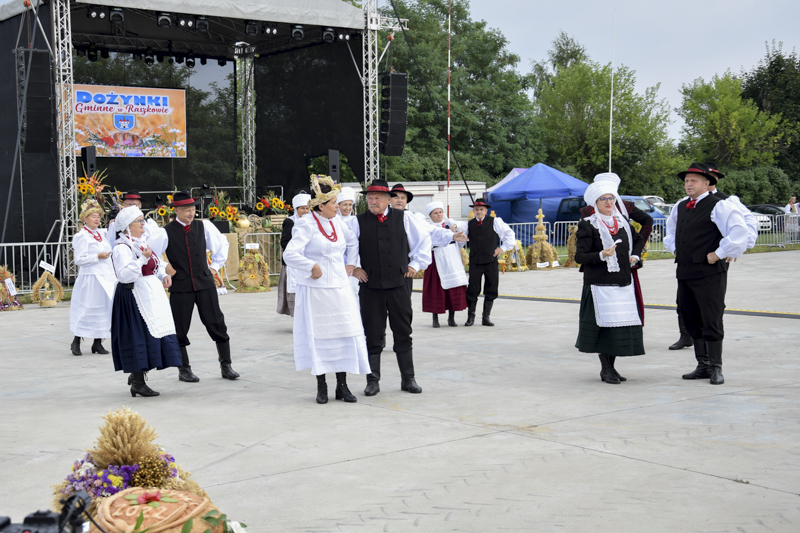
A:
(449, 70)
(245, 74)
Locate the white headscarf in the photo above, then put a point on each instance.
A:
(122, 225)
(433, 205)
(602, 187)
(300, 200)
(347, 194)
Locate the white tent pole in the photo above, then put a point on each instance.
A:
(611, 116)
(449, 34)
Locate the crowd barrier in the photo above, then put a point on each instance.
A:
(525, 231)
(269, 245)
(22, 260)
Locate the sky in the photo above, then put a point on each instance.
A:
(672, 43)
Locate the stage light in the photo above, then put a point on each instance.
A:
(96, 12)
(328, 35)
(222, 62)
(190, 62)
(116, 16)
(343, 35)
(179, 59)
(137, 56)
(164, 20)
(271, 28)
(160, 58)
(91, 55)
(186, 21)
(251, 27)
(148, 60)
(81, 52)
(297, 32)
(203, 61)
(201, 24)
(104, 53)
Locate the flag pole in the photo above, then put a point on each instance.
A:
(611, 116)
(449, 47)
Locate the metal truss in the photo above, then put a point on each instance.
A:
(370, 66)
(245, 85)
(65, 127)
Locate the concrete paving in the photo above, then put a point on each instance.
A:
(514, 430)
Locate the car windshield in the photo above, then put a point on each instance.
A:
(643, 204)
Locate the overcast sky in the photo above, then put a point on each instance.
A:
(670, 42)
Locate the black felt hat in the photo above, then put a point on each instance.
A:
(132, 194)
(398, 187)
(183, 198)
(481, 202)
(379, 186)
(713, 167)
(698, 168)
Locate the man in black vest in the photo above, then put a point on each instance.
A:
(703, 231)
(193, 284)
(392, 248)
(488, 238)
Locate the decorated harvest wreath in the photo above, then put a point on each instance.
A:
(136, 486)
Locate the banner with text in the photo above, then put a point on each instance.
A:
(130, 121)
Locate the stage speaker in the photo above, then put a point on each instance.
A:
(38, 104)
(333, 165)
(89, 160)
(394, 113)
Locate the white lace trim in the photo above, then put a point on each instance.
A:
(597, 220)
(615, 307)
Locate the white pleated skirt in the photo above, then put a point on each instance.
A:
(90, 306)
(328, 334)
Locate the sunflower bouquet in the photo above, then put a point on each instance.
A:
(273, 205)
(221, 208)
(165, 212)
(91, 186)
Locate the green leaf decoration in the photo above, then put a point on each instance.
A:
(213, 521)
(154, 504)
(187, 527)
(243, 525)
(134, 503)
(130, 496)
(207, 531)
(168, 499)
(139, 520)
(212, 512)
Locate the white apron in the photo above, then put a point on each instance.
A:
(615, 307)
(449, 266)
(154, 306)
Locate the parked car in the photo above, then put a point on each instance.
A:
(665, 209)
(768, 209)
(655, 200)
(570, 210)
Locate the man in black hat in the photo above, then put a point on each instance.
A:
(193, 283)
(702, 232)
(488, 237)
(392, 247)
(155, 235)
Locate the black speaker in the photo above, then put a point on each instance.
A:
(89, 160)
(39, 104)
(333, 165)
(394, 113)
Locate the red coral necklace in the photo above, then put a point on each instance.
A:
(332, 238)
(98, 237)
(613, 229)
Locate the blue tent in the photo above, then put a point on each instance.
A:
(517, 200)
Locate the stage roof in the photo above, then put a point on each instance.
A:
(12, 8)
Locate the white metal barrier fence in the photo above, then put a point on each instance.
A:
(269, 246)
(524, 231)
(22, 260)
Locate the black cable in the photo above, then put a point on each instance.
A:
(433, 103)
(19, 123)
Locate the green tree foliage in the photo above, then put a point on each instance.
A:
(210, 124)
(758, 185)
(774, 86)
(566, 51)
(493, 123)
(723, 127)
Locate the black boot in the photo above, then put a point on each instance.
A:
(342, 392)
(685, 340)
(703, 370)
(471, 313)
(138, 386)
(715, 359)
(185, 371)
(451, 319)
(607, 371)
(97, 347)
(374, 377)
(611, 359)
(487, 310)
(322, 389)
(76, 346)
(406, 363)
(435, 320)
(224, 351)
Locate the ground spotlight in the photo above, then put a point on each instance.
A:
(222, 62)
(328, 35)
(96, 12)
(251, 27)
(201, 24)
(203, 61)
(190, 62)
(271, 28)
(297, 32)
(149, 60)
(91, 55)
(164, 20)
(117, 16)
(186, 21)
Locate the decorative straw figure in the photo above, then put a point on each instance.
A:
(8, 292)
(253, 273)
(571, 247)
(42, 293)
(541, 251)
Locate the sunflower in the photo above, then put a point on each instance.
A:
(280, 204)
(169, 198)
(235, 210)
(252, 276)
(92, 189)
(229, 209)
(275, 202)
(260, 206)
(170, 209)
(83, 188)
(230, 217)
(213, 211)
(81, 180)
(162, 211)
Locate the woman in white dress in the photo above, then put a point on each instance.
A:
(346, 205)
(328, 334)
(90, 307)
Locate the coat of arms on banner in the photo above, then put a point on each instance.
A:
(124, 122)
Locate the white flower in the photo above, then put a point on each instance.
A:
(174, 130)
(236, 527)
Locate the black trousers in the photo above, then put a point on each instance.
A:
(376, 305)
(207, 300)
(701, 303)
(491, 272)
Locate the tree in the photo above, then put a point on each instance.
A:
(758, 185)
(721, 126)
(566, 51)
(493, 123)
(774, 86)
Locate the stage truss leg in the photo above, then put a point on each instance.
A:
(370, 66)
(245, 74)
(65, 109)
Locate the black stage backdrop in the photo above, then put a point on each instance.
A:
(38, 190)
(307, 101)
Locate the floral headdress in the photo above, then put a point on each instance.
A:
(320, 197)
(89, 207)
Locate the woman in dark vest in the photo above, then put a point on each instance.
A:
(142, 330)
(610, 322)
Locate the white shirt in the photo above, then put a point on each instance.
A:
(309, 247)
(729, 221)
(793, 209)
(128, 268)
(215, 242)
(507, 237)
(749, 219)
(419, 240)
(86, 248)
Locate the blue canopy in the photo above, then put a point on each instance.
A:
(539, 181)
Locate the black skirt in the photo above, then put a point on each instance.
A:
(133, 348)
(620, 342)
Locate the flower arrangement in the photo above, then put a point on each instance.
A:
(8, 292)
(273, 205)
(221, 208)
(164, 211)
(91, 186)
